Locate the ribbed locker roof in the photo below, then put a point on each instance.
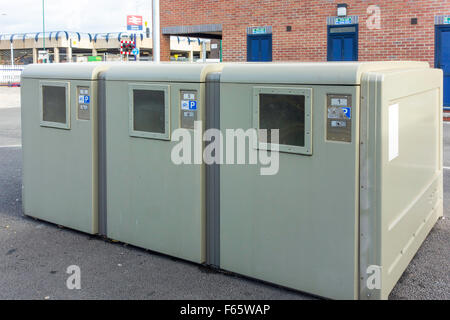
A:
(332, 73)
(70, 71)
(326, 73)
(170, 72)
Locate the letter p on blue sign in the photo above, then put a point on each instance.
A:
(192, 105)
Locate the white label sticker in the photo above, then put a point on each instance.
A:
(393, 131)
(80, 99)
(338, 124)
(335, 113)
(339, 102)
(189, 96)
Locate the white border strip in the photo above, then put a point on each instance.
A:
(12, 146)
(2, 108)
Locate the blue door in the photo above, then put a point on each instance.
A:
(343, 43)
(442, 58)
(259, 47)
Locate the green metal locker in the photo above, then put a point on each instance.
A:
(59, 139)
(359, 184)
(152, 202)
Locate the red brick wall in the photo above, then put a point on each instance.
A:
(165, 48)
(396, 40)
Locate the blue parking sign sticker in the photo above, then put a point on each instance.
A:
(87, 99)
(184, 105)
(192, 105)
(347, 111)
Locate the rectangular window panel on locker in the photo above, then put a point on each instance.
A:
(286, 113)
(287, 110)
(149, 111)
(55, 104)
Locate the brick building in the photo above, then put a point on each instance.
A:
(316, 30)
(305, 30)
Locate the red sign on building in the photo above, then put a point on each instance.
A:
(134, 23)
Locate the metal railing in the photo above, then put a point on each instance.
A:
(10, 75)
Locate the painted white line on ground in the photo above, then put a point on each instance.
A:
(446, 168)
(12, 146)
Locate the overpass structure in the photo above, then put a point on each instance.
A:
(67, 46)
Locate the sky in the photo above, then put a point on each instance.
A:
(95, 16)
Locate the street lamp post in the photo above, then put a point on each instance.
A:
(156, 30)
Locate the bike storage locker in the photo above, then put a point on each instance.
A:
(59, 138)
(335, 203)
(155, 202)
(359, 179)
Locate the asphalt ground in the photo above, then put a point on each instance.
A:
(34, 255)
